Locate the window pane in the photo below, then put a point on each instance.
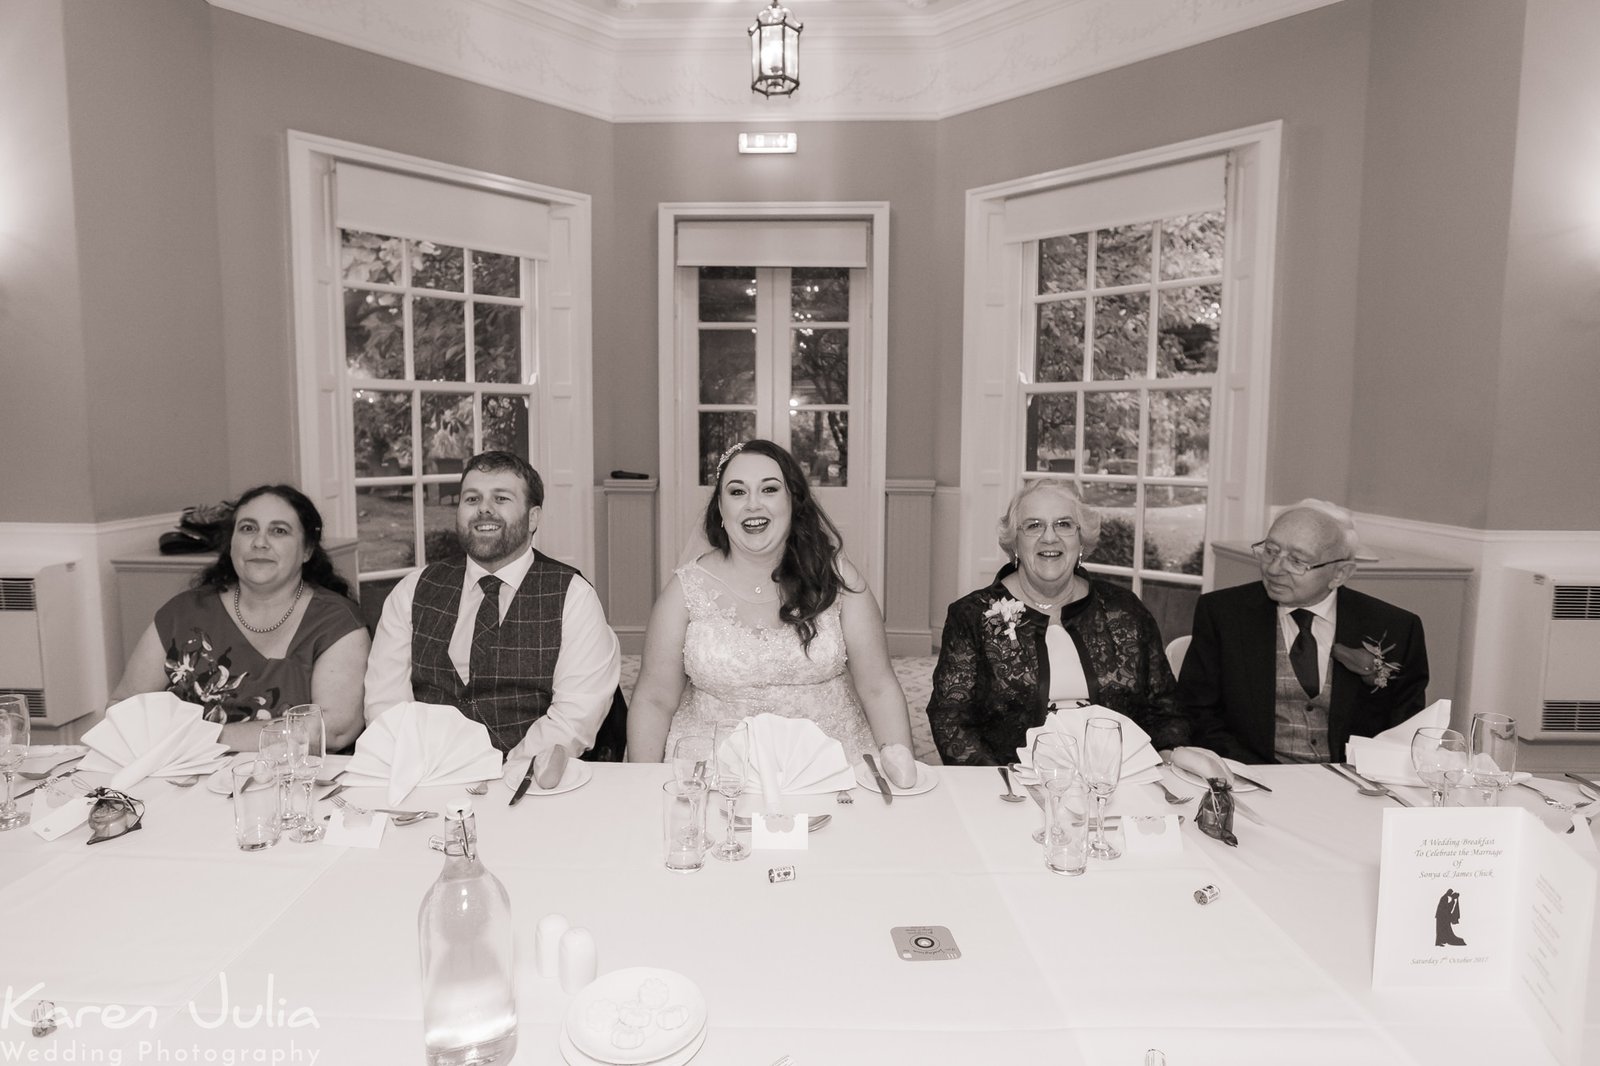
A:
(505, 424)
(446, 432)
(819, 367)
(727, 366)
(1122, 255)
(1059, 347)
(1180, 433)
(1191, 246)
(1111, 432)
(370, 257)
(1189, 322)
(719, 431)
(497, 343)
(436, 266)
(1121, 326)
(727, 294)
(1174, 528)
(1172, 606)
(1063, 263)
(439, 343)
(374, 335)
(819, 441)
(439, 539)
(1052, 433)
(383, 433)
(385, 528)
(819, 294)
(496, 275)
(1116, 504)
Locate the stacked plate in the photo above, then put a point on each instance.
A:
(635, 1017)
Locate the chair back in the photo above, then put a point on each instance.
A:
(1176, 650)
(611, 743)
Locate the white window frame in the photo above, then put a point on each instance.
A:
(563, 448)
(673, 379)
(992, 466)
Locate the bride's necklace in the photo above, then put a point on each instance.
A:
(760, 592)
(298, 592)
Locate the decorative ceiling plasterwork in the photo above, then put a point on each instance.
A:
(919, 63)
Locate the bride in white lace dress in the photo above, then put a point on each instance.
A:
(772, 619)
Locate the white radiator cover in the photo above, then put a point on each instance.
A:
(1555, 662)
(41, 658)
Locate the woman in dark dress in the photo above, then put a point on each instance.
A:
(1043, 633)
(267, 626)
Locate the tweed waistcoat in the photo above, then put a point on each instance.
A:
(513, 690)
(1301, 733)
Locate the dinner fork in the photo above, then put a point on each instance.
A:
(480, 789)
(40, 775)
(1172, 797)
(1565, 808)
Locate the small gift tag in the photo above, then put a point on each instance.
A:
(346, 830)
(64, 819)
(1152, 836)
(779, 832)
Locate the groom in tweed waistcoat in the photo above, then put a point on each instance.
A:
(515, 639)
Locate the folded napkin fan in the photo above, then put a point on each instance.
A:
(787, 756)
(1387, 756)
(153, 734)
(1140, 763)
(416, 745)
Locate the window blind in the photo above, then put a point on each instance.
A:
(401, 205)
(1181, 189)
(774, 243)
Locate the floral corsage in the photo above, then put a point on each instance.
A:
(1370, 661)
(1007, 613)
(197, 674)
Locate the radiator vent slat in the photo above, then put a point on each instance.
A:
(1571, 716)
(1576, 601)
(16, 594)
(34, 697)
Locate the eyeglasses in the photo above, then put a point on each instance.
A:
(1267, 552)
(114, 813)
(1034, 527)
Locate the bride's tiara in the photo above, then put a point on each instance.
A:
(729, 454)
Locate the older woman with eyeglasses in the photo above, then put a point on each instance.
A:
(1045, 633)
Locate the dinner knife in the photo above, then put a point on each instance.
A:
(1237, 776)
(877, 775)
(522, 786)
(1584, 781)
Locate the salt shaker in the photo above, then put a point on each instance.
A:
(547, 945)
(579, 961)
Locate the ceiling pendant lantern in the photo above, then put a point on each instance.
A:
(775, 52)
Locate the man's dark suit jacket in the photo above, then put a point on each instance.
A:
(1229, 679)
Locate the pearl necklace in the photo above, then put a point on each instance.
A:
(298, 592)
(1047, 606)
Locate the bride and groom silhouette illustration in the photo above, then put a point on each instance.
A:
(1445, 917)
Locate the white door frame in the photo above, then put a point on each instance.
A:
(673, 383)
(991, 392)
(562, 356)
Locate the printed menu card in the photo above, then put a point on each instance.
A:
(1487, 898)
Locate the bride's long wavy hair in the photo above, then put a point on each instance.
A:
(808, 576)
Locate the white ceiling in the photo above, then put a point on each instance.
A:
(688, 60)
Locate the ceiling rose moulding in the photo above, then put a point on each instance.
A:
(519, 47)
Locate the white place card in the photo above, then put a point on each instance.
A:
(355, 831)
(779, 832)
(1487, 898)
(63, 819)
(1152, 836)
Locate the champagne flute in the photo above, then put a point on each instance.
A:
(1101, 771)
(1434, 754)
(308, 742)
(731, 743)
(1492, 748)
(14, 726)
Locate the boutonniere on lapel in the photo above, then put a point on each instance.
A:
(1369, 661)
(1005, 613)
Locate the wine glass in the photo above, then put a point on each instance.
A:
(14, 725)
(1054, 756)
(1492, 749)
(276, 748)
(308, 743)
(731, 743)
(1101, 770)
(693, 763)
(1434, 754)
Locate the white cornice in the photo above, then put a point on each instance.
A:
(858, 62)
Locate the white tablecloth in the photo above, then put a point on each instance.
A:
(213, 955)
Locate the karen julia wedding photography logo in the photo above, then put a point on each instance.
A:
(34, 1029)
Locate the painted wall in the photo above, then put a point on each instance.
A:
(1440, 141)
(44, 419)
(139, 88)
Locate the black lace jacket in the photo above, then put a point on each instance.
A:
(990, 689)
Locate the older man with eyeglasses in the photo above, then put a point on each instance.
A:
(1289, 668)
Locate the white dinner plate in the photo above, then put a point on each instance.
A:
(622, 987)
(575, 776)
(1195, 779)
(221, 782)
(926, 780)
